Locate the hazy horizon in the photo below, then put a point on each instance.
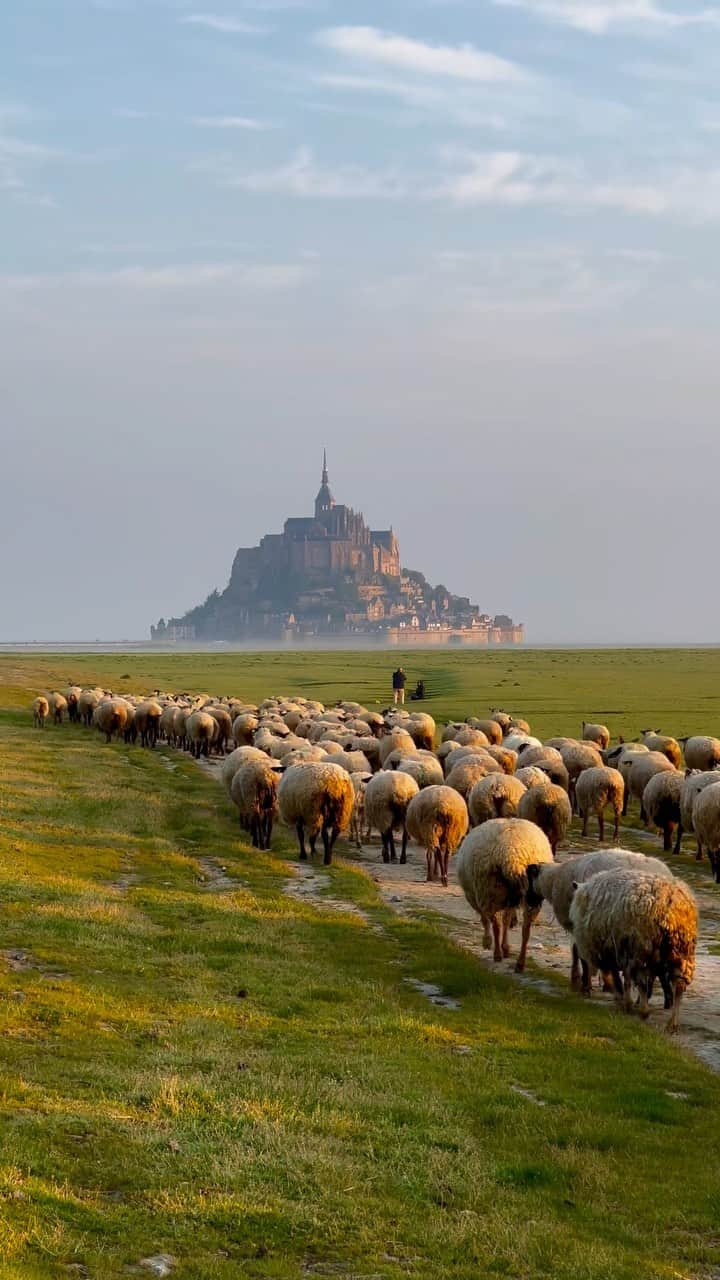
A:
(470, 249)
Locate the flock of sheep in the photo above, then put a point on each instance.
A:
(483, 789)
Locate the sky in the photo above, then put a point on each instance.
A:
(469, 246)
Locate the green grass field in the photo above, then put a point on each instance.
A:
(246, 1082)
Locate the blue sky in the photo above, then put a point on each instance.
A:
(470, 247)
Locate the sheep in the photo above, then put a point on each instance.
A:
(421, 728)
(167, 721)
(58, 706)
(147, 722)
(317, 800)
(532, 776)
(352, 761)
(555, 773)
(496, 796)
(637, 927)
(654, 740)
(706, 820)
(72, 694)
(130, 731)
(492, 869)
(693, 784)
(243, 728)
(701, 753)
(357, 821)
(225, 724)
(387, 797)
(597, 733)
(437, 818)
(396, 740)
(516, 741)
(518, 725)
(254, 790)
(111, 716)
(41, 711)
(490, 728)
(639, 771)
(505, 757)
(661, 803)
(502, 718)
(549, 809)
(538, 755)
(180, 719)
(451, 730)
(87, 703)
(425, 769)
(557, 882)
(200, 730)
(237, 758)
(577, 756)
(471, 769)
(595, 790)
(468, 737)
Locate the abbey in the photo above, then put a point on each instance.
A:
(330, 574)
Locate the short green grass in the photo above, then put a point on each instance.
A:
(247, 1083)
(676, 690)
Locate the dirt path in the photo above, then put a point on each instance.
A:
(407, 892)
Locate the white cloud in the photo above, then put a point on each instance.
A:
(231, 122)
(304, 178)
(460, 62)
(597, 17)
(452, 101)
(226, 25)
(260, 276)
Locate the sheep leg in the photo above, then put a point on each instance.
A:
(644, 997)
(626, 797)
(699, 854)
(617, 983)
(678, 839)
(391, 845)
(601, 826)
(673, 1020)
(627, 982)
(528, 918)
(497, 947)
(403, 851)
(268, 830)
(444, 859)
(616, 833)
(586, 984)
(643, 815)
(385, 846)
(575, 968)
(301, 841)
(667, 837)
(668, 992)
(504, 944)
(487, 940)
(254, 832)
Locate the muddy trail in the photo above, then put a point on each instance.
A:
(406, 890)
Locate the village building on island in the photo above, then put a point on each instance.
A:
(330, 575)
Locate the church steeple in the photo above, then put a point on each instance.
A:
(324, 501)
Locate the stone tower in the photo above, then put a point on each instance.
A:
(324, 502)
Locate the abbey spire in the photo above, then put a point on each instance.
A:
(324, 501)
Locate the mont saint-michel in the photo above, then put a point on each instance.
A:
(329, 574)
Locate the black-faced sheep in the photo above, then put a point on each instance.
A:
(661, 803)
(253, 790)
(316, 800)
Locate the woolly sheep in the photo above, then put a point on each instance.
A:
(238, 757)
(110, 716)
(538, 755)
(549, 809)
(496, 796)
(58, 706)
(396, 740)
(468, 737)
(518, 725)
(595, 790)
(555, 773)
(317, 800)
(426, 770)
(243, 728)
(706, 820)
(661, 802)
(576, 757)
(502, 718)
(200, 729)
(87, 703)
(492, 869)
(437, 818)
(505, 757)
(490, 728)
(531, 777)
(357, 821)
(463, 776)
(670, 747)
(254, 791)
(421, 728)
(443, 753)
(147, 722)
(451, 730)
(693, 784)
(72, 694)
(387, 797)
(224, 721)
(557, 883)
(639, 769)
(701, 753)
(597, 733)
(41, 711)
(516, 741)
(637, 927)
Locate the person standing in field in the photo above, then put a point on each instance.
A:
(398, 686)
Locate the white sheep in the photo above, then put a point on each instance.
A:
(701, 753)
(557, 882)
(637, 928)
(597, 733)
(661, 803)
(706, 820)
(317, 800)
(548, 808)
(41, 711)
(638, 770)
(693, 784)
(492, 869)
(424, 768)
(496, 796)
(387, 797)
(358, 820)
(253, 790)
(437, 818)
(596, 790)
